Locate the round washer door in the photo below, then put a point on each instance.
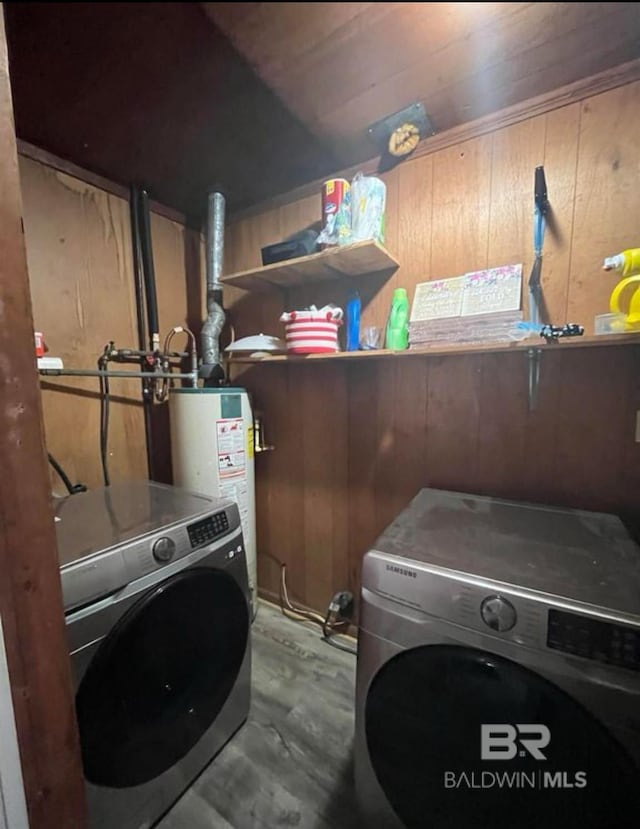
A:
(423, 717)
(161, 677)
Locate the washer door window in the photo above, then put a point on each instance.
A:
(423, 718)
(161, 677)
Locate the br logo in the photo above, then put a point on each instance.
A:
(501, 741)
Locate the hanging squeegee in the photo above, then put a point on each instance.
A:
(540, 210)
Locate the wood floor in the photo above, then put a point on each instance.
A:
(291, 764)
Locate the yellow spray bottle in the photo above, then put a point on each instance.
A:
(627, 290)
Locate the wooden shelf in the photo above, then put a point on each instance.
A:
(331, 264)
(591, 341)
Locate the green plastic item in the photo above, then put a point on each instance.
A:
(397, 337)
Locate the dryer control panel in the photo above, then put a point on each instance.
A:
(595, 639)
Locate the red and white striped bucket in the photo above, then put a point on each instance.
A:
(312, 332)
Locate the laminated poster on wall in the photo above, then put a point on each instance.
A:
(232, 465)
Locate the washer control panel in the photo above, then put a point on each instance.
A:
(207, 530)
(595, 639)
(498, 613)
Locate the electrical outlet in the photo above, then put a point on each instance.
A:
(638, 426)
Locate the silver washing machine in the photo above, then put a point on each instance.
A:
(158, 619)
(498, 677)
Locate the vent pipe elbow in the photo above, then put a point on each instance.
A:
(212, 327)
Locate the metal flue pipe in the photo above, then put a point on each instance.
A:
(211, 368)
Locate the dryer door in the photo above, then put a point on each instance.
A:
(545, 761)
(161, 677)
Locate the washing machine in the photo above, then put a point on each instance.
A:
(498, 679)
(156, 598)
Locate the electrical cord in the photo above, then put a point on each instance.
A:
(328, 635)
(105, 400)
(72, 489)
(330, 640)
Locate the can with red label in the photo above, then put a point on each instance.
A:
(39, 338)
(336, 210)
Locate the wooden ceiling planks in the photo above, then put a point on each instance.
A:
(153, 93)
(260, 98)
(357, 62)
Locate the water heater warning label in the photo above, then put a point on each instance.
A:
(232, 465)
(232, 456)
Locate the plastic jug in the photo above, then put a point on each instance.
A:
(617, 302)
(626, 263)
(397, 336)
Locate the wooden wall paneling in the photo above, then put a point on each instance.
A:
(319, 473)
(415, 222)
(280, 478)
(291, 465)
(502, 424)
(503, 402)
(171, 286)
(463, 422)
(537, 479)
(339, 441)
(605, 219)
(251, 313)
(176, 263)
(30, 593)
(268, 392)
(195, 279)
(387, 449)
(300, 214)
(296, 216)
(321, 399)
(409, 469)
(79, 254)
(596, 429)
(453, 410)
(516, 152)
(383, 413)
(459, 243)
(362, 464)
(629, 479)
(461, 199)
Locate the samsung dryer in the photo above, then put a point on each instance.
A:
(498, 678)
(157, 609)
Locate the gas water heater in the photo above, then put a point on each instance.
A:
(212, 451)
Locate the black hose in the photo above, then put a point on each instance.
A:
(104, 418)
(138, 275)
(72, 489)
(144, 224)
